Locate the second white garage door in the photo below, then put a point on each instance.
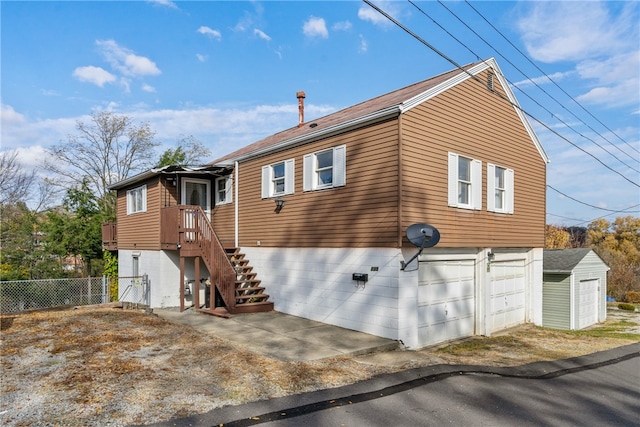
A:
(446, 301)
(507, 294)
(587, 300)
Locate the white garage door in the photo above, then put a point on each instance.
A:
(446, 301)
(507, 294)
(587, 303)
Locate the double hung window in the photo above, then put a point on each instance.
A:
(325, 169)
(224, 193)
(500, 189)
(278, 179)
(465, 182)
(137, 200)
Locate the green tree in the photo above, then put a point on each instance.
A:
(189, 151)
(75, 229)
(618, 244)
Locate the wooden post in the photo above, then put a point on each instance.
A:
(181, 284)
(196, 297)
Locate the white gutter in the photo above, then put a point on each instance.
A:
(324, 133)
(236, 207)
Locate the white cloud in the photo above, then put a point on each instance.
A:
(96, 75)
(165, 3)
(9, 116)
(617, 81)
(363, 44)
(367, 13)
(543, 80)
(315, 27)
(125, 61)
(564, 31)
(341, 26)
(261, 34)
(214, 34)
(148, 88)
(201, 57)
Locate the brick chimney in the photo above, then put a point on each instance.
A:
(300, 95)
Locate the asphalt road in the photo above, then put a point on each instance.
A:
(602, 389)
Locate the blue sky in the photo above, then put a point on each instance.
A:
(228, 72)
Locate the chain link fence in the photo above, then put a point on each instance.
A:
(21, 295)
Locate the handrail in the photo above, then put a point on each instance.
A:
(195, 231)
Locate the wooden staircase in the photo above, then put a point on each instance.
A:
(232, 278)
(249, 295)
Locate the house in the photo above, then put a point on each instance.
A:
(315, 217)
(574, 288)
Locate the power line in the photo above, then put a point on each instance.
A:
(475, 78)
(586, 204)
(551, 80)
(528, 78)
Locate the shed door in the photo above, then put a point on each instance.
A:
(587, 300)
(446, 301)
(507, 294)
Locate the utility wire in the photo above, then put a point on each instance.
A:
(525, 75)
(587, 204)
(515, 105)
(551, 80)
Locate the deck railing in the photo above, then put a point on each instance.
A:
(188, 229)
(110, 236)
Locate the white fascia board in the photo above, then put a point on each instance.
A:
(323, 133)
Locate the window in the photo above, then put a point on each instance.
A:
(277, 179)
(325, 169)
(137, 200)
(465, 182)
(499, 189)
(224, 190)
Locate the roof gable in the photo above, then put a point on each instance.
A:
(565, 260)
(377, 109)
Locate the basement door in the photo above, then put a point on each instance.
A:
(446, 301)
(507, 294)
(587, 300)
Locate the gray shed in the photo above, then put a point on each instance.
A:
(574, 288)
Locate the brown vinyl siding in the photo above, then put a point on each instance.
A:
(471, 121)
(223, 220)
(363, 213)
(141, 230)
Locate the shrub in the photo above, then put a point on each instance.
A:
(625, 306)
(633, 297)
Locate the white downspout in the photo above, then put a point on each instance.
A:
(237, 212)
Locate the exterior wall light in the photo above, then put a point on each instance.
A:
(279, 204)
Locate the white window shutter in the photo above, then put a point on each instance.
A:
(453, 179)
(307, 176)
(266, 182)
(509, 190)
(476, 184)
(228, 188)
(339, 166)
(491, 187)
(289, 168)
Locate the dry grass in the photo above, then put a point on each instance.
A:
(109, 366)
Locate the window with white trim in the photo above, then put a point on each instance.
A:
(465, 182)
(325, 169)
(224, 193)
(137, 200)
(500, 189)
(278, 179)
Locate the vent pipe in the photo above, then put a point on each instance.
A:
(300, 95)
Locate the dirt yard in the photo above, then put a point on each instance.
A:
(114, 367)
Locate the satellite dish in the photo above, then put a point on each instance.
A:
(422, 236)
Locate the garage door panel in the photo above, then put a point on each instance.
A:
(446, 300)
(507, 294)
